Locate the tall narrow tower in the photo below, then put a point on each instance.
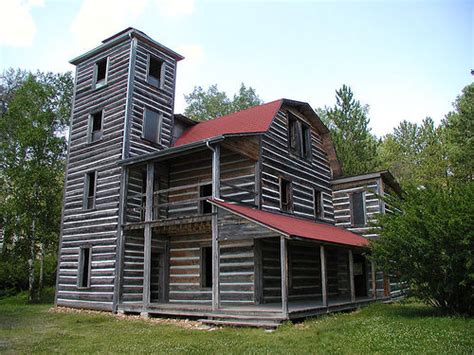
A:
(122, 107)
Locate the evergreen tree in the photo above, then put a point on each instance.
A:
(348, 123)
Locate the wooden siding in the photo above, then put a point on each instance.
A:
(97, 227)
(305, 175)
(148, 96)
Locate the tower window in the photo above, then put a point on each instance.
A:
(358, 208)
(95, 124)
(151, 126)
(299, 137)
(155, 71)
(84, 271)
(89, 190)
(293, 134)
(306, 141)
(100, 73)
(205, 191)
(206, 267)
(286, 203)
(318, 204)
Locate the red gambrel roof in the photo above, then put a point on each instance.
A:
(252, 120)
(297, 227)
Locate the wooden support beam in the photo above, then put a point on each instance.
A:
(150, 172)
(351, 275)
(284, 276)
(216, 177)
(324, 279)
(374, 281)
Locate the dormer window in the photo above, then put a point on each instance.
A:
(286, 200)
(100, 73)
(95, 126)
(155, 72)
(358, 216)
(299, 137)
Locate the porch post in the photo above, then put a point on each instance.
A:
(351, 275)
(324, 282)
(284, 276)
(150, 172)
(215, 231)
(374, 282)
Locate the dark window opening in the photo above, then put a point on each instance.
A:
(306, 141)
(89, 190)
(100, 72)
(293, 134)
(151, 126)
(205, 191)
(318, 204)
(285, 195)
(358, 208)
(84, 267)
(154, 71)
(206, 267)
(96, 126)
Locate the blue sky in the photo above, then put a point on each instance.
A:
(405, 59)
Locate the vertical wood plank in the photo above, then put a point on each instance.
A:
(284, 276)
(258, 274)
(215, 230)
(324, 282)
(374, 281)
(351, 275)
(150, 171)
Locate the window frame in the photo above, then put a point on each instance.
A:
(289, 202)
(161, 79)
(364, 210)
(90, 127)
(81, 263)
(202, 203)
(318, 195)
(160, 122)
(87, 181)
(205, 252)
(305, 153)
(103, 83)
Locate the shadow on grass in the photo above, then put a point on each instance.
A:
(416, 310)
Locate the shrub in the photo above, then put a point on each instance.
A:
(428, 241)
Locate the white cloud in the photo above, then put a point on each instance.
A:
(98, 20)
(175, 7)
(17, 27)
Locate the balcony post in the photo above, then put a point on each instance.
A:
(351, 275)
(284, 275)
(324, 282)
(150, 172)
(216, 174)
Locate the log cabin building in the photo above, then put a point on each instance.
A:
(242, 219)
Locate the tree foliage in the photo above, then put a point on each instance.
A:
(429, 242)
(348, 123)
(212, 103)
(32, 154)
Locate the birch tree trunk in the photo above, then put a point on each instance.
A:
(31, 263)
(41, 275)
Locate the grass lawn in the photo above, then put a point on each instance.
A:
(379, 328)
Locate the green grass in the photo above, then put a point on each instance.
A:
(379, 328)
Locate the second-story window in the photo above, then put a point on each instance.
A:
(358, 217)
(84, 267)
(299, 137)
(286, 200)
(155, 72)
(95, 126)
(90, 190)
(100, 73)
(318, 204)
(151, 126)
(205, 192)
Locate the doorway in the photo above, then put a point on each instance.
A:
(360, 276)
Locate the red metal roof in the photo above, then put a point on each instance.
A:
(297, 227)
(256, 119)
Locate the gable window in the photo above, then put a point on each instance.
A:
(206, 267)
(84, 271)
(286, 203)
(89, 190)
(358, 208)
(155, 72)
(151, 126)
(318, 203)
(95, 126)
(299, 137)
(205, 191)
(100, 71)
